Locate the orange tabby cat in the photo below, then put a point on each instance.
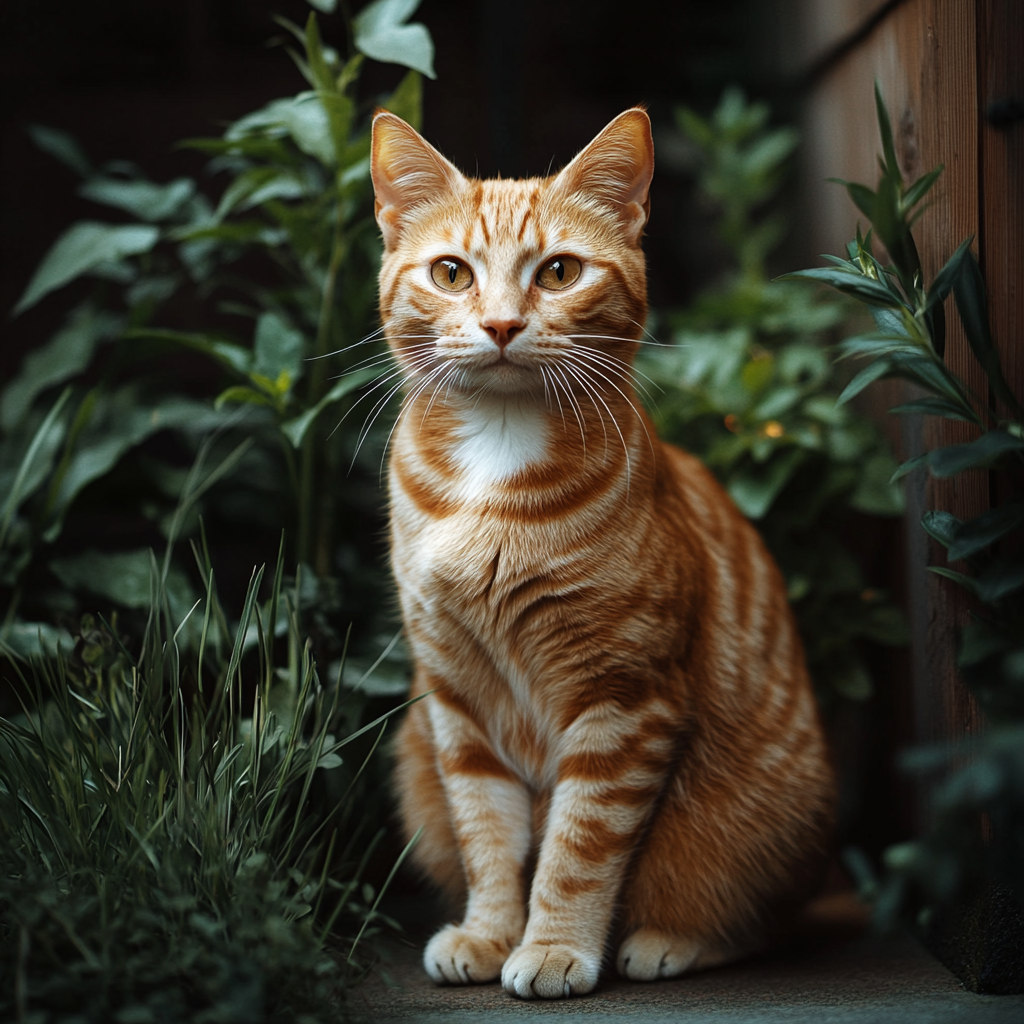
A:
(621, 730)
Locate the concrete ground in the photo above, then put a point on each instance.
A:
(833, 972)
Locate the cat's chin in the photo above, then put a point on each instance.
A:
(506, 380)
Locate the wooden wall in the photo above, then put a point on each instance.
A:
(940, 65)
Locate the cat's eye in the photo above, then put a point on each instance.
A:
(559, 273)
(451, 274)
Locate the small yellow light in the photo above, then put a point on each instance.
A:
(774, 429)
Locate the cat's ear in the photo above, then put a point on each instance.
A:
(406, 171)
(616, 170)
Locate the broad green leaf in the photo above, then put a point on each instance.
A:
(62, 146)
(302, 117)
(233, 356)
(943, 526)
(277, 347)
(858, 285)
(326, 6)
(141, 199)
(65, 355)
(381, 34)
(934, 407)
(876, 494)
(870, 373)
(35, 640)
(80, 249)
(979, 454)
(1003, 577)
(123, 577)
(257, 185)
(779, 400)
(754, 489)
(972, 304)
(295, 430)
(976, 534)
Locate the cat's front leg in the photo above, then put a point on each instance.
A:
(491, 814)
(613, 766)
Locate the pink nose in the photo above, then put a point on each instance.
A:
(502, 331)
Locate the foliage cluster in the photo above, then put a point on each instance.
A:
(750, 388)
(976, 834)
(289, 253)
(179, 835)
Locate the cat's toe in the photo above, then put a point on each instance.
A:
(455, 956)
(536, 970)
(649, 954)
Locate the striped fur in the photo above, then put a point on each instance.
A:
(621, 743)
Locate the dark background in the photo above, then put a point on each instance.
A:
(520, 89)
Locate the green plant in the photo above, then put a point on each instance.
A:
(976, 832)
(180, 839)
(289, 252)
(749, 389)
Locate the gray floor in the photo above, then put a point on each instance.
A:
(832, 973)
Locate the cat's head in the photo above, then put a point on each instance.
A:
(514, 286)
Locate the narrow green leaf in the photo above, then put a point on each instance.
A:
(62, 146)
(872, 372)
(859, 285)
(944, 280)
(241, 395)
(407, 100)
(1002, 578)
(909, 466)
(979, 454)
(233, 356)
(863, 198)
(934, 407)
(916, 192)
(295, 430)
(888, 146)
(967, 582)
(322, 77)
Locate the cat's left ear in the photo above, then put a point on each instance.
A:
(407, 171)
(616, 169)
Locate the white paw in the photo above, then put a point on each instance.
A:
(455, 956)
(549, 972)
(648, 954)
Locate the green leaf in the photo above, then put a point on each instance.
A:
(35, 640)
(942, 526)
(326, 6)
(931, 374)
(967, 582)
(122, 577)
(64, 356)
(851, 680)
(407, 100)
(972, 304)
(259, 185)
(62, 146)
(278, 348)
(888, 146)
(240, 395)
(863, 198)
(944, 280)
(80, 249)
(302, 117)
(233, 356)
(976, 534)
(381, 34)
(322, 77)
(979, 454)
(755, 488)
(295, 430)
(141, 199)
(916, 192)
(876, 494)
(909, 466)
(856, 284)
(876, 345)
(1001, 578)
(934, 407)
(872, 372)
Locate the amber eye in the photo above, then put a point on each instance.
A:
(559, 273)
(451, 274)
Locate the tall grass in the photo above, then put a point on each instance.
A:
(179, 833)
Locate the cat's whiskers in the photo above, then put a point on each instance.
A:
(573, 404)
(630, 370)
(589, 391)
(615, 337)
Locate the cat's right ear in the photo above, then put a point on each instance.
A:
(406, 171)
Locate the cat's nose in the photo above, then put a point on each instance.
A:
(502, 331)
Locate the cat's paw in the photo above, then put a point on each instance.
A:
(455, 956)
(649, 954)
(549, 972)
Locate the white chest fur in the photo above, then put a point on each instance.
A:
(496, 440)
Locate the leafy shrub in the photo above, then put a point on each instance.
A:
(749, 388)
(976, 832)
(289, 251)
(179, 836)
